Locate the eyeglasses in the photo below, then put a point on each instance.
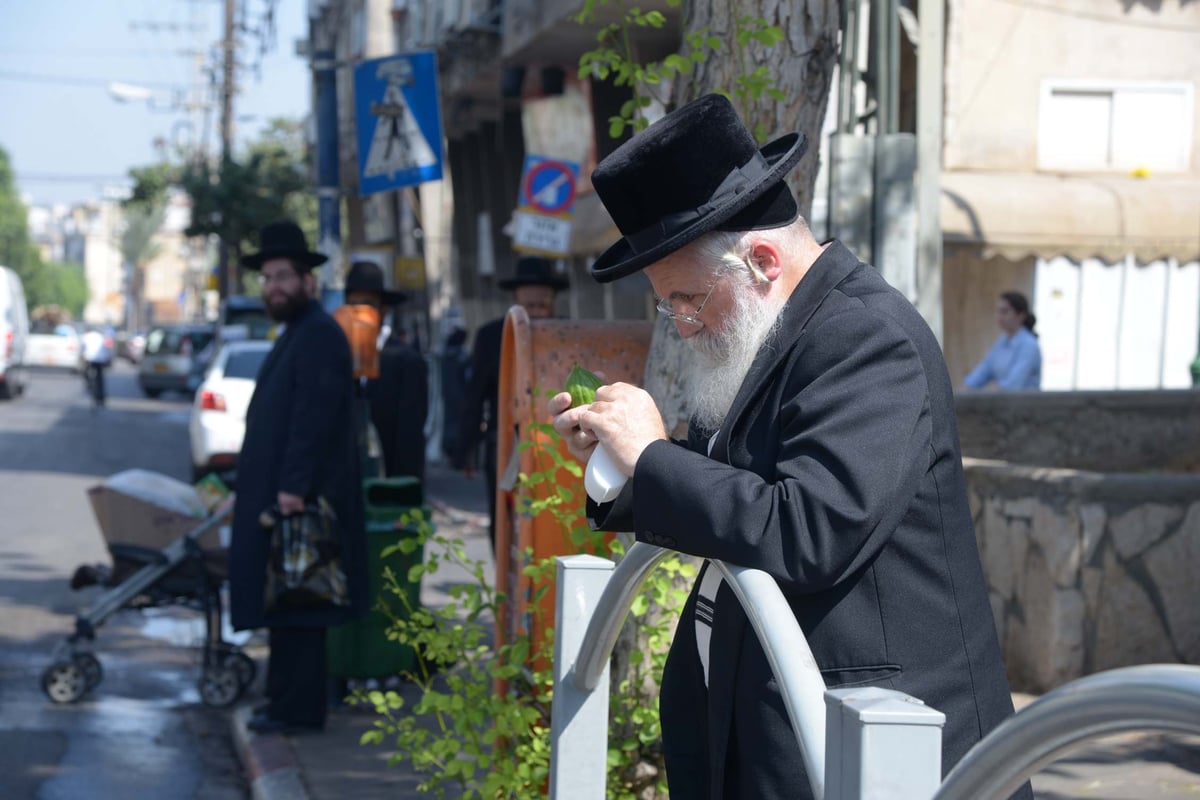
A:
(666, 306)
(279, 277)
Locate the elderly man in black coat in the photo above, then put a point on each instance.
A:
(823, 450)
(300, 444)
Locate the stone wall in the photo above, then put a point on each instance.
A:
(1118, 431)
(1087, 571)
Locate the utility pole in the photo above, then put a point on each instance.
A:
(930, 80)
(227, 272)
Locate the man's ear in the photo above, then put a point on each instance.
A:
(765, 260)
(310, 283)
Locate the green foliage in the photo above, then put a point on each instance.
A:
(474, 737)
(45, 284)
(234, 199)
(56, 284)
(615, 58)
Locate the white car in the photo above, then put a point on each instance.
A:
(218, 421)
(54, 346)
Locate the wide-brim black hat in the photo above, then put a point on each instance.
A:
(366, 276)
(283, 240)
(696, 170)
(534, 271)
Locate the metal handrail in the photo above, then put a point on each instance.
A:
(782, 640)
(614, 604)
(791, 661)
(1156, 697)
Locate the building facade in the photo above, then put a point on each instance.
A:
(1071, 168)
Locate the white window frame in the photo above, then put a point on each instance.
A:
(1052, 85)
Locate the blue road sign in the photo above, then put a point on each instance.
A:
(399, 122)
(548, 185)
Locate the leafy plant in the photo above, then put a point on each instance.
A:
(480, 726)
(615, 58)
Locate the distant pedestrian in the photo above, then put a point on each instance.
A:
(300, 445)
(1015, 360)
(97, 357)
(399, 396)
(455, 365)
(534, 285)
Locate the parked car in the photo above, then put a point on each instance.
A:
(174, 359)
(14, 333)
(218, 421)
(53, 344)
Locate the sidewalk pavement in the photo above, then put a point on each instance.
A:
(334, 766)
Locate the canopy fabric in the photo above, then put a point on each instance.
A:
(1017, 215)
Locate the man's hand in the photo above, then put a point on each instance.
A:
(623, 417)
(289, 503)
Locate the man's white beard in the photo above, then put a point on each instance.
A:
(723, 358)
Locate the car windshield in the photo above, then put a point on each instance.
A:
(166, 341)
(245, 363)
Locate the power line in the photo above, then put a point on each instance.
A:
(51, 177)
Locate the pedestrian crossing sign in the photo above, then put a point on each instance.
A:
(399, 122)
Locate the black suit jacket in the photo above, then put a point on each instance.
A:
(301, 438)
(838, 472)
(479, 412)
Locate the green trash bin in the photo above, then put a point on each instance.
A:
(361, 649)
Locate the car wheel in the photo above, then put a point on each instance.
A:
(151, 393)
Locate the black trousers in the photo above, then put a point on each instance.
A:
(297, 676)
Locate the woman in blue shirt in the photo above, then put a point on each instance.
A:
(1015, 360)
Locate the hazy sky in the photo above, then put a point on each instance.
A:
(68, 138)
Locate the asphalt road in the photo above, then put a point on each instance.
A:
(142, 733)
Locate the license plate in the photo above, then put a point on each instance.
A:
(160, 367)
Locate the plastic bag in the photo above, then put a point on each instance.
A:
(304, 569)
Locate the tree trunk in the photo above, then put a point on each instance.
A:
(801, 66)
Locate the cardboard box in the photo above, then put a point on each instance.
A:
(149, 509)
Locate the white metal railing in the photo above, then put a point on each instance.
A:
(1151, 697)
(594, 598)
(857, 744)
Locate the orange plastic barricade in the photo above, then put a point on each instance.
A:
(536, 356)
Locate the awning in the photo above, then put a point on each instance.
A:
(1016, 215)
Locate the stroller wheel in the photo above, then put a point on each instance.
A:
(93, 673)
(219, 685)
(242, 665)
(64, 682)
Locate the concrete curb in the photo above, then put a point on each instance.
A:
(271, 767)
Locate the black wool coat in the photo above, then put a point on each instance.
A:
(399, 400)
(477, 422)
(837, 472)
(301, 439)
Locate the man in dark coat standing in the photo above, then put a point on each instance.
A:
(300, 444)
(399, 397)
(824, 451)
(534, 285)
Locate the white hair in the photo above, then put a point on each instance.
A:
(727, 253)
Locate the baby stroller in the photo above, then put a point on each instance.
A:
(165, 547)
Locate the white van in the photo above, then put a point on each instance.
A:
(14, 332)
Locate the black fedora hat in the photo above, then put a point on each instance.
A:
(533, 271)
(283, 240)
(366, 276)
(696, 170)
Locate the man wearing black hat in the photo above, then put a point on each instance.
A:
(823, 450)
(299, 445)
(534, 285)
(399, 397)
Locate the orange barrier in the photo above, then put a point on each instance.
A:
(535, 357)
